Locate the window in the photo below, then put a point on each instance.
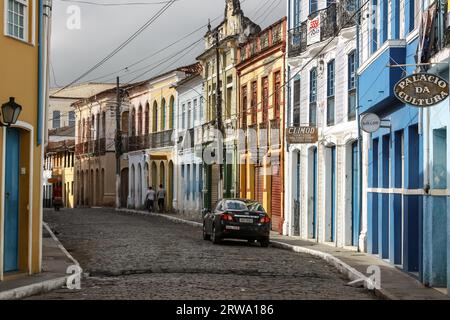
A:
(313, 6)
(351, 86)
(16, 22)
(265, 91)
(244, 107)
(183, 120)
(277, 95)
(313, 97)
(297, 12)
(296, 108)
(71, 118)
(254, 101)
(56, 119)
(195, 111)
(330, 92)
(373, 27)
(189, 117)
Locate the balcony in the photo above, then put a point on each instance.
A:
(92, 148)
(332, 19)
(162, 139)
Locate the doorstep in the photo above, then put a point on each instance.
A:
(55, 261)
(395, 284)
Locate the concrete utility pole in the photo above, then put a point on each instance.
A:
(118, 148)
(219, 112)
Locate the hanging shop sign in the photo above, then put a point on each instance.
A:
(297, 135)
(313, 35)
(422, 90)
(370, 122)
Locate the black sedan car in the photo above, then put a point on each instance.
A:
(237, 219)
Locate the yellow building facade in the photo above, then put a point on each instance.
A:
(149, 123)
(225, 39)
(23, 59)
(261, 81)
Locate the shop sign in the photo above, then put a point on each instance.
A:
(370, 122)
(300, 135)
(422, 90)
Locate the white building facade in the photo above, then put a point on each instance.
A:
(322, 179)
(189, 125)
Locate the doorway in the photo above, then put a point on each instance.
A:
(11, 196)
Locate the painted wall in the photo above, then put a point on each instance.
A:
(19, 65)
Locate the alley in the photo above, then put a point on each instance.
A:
(142, 257)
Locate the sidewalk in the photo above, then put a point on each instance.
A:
(395, 284)
(55, 261)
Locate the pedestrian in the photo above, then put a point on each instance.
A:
(57, 196)
(150, 199)
(161, 197)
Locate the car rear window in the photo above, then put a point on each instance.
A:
(241, 205)
(236, 205)
(255, 207)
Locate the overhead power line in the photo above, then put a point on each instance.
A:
(123, 45)
(121, 4)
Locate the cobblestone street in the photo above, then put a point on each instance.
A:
(143, 257)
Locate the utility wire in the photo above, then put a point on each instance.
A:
(110, 4)
(123, 45)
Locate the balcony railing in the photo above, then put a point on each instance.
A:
(332, 19)
(162, 139)
(93, 147)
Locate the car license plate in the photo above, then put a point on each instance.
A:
(232, 227)
(244, 220)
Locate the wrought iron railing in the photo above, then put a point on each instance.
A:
(332, 19)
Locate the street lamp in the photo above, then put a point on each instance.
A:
(10, 113)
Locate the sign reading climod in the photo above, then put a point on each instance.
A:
(422, 90)
(296, 135)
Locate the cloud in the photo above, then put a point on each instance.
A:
(103, 28)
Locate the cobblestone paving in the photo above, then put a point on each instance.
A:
(142, 257)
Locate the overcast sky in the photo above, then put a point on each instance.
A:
(103, 28)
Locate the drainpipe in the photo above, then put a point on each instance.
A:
(360, 149)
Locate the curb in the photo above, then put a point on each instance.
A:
(40, 287)
(33, 289)
(152, 214)
(350, 272)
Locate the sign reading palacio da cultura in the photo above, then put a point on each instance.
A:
(422, 89)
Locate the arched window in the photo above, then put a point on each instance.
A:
(139, 119)
(155, 117)
(133, 123)
(171, 112)
(163, 114)
(147, 119)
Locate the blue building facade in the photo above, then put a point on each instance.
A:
(395, 198)
(436, 158)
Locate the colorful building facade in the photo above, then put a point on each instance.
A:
(260, 72)
(188, 149)
(235, 28)
(95, 162)
(322, 190)
(23, 64)
(394, 154)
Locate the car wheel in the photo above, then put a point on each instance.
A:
(264, 242)
(215, 239)
(205, 235)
